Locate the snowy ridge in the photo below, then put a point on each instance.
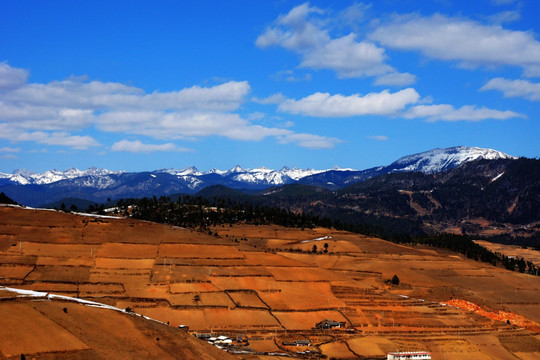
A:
(191, 176)
(438, 160)
(25, 177)
(192, 179)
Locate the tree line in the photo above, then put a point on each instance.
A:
(199, 213)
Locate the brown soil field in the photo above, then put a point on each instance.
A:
(512, 250)
(262, 287)
(198, 251)
(371, 345)
(64, 261)
(269, 259)
(109, 263)
(11, 271)
(266, 345)
(19, 320)
(205, 299)
(60, 273)
(337, 350)
(182, 288)
(301, 296)
(257, 283)
(66, 330)
(303, 274)
(129, 251)
(247, 299)
(295, 320)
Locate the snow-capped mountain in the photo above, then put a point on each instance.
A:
(428, 162)
(438, 160)
(99, 184)
(25, 177)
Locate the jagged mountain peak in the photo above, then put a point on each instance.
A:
(236, 169)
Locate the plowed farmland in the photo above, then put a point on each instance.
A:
(265, 283)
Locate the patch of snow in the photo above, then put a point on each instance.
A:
(98, 216)
(39, 295)
(317, 239)
(497, 177)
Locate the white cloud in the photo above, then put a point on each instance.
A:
(66, 139)
(348, 57)
(294, 32)
(326, 105)
(96, 95)
(8, 156)
(138, 147)
(446, 112)
(468, 42)
(505, 16)
(304, 34)
(272, 99)
(49, 113)
(395, 79)
(378, 137)
(310, 141)
(15, 134)
(11, 78)
(514, 88)
(9, 149)
(164, 125)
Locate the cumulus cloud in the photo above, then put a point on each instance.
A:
(11, 78)
(300, 31)
(310, 141)
(514, 88)
(447, 112)
(138, 147)
(468, 42)
(326, 105)
(14, 134)
(395, 79)
(49, 113)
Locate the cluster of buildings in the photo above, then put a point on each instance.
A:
(409, 355)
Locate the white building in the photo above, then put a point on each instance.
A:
(409, 355)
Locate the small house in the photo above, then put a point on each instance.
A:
(330, 324)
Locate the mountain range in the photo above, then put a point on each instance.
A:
(36, 189)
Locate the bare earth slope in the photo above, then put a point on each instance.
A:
(263, 283)
(66, 330)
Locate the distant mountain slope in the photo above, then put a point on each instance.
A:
(98, 185)
(500, 191)
(438, 160)
(428, 162)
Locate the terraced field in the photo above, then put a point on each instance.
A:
(265, 283)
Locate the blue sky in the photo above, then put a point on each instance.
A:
(131, 85)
